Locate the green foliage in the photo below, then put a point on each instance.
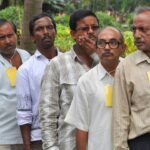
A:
(106, 20)
(63, 20)
(14, 14)
(63, 39)
(129, 41)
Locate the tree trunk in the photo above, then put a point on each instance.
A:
(31, 8)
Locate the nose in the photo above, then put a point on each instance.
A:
(7, 39)
(137, 33)
(90, 30)
(45, 30)
(107, 46)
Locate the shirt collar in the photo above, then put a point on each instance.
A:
(101, 71)
(141, 57)
(38, 54)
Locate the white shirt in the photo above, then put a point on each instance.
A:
(9, 130)
(29, 78)
(88, 111)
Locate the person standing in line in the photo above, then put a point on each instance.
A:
(11, 58)
(60, 80)
(131, 107)
(43, 32)
(91, 109)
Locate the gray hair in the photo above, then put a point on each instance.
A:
(141, 9)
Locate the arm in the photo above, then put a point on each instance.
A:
(49, 107)
(78, 116)
(81, 139)
(25, 131)
(24, 114)
(121, 110)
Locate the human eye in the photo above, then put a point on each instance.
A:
(101, 43)
(50, 27)
(2, 38)
(113, 42)
(95, 27)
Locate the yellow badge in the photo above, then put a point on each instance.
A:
(108, 95)
(11, 74)
(148, 74)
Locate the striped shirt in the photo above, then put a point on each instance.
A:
(59, 83)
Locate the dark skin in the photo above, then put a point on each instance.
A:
(85, 45)
(8, 41)
(141, 32)
(43, 36)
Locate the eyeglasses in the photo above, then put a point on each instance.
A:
(87, 28)
(113, 43)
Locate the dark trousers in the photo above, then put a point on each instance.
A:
(140, 143)
(36, 145)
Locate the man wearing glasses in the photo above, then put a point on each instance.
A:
(60, 80)
(131, 113)
(91, 110)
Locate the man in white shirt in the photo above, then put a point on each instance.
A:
(43, 31)
(91, 109)
(10, 60)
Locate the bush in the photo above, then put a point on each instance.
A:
(14, 14)
(106, 20)
(129, 41)
(63, 40)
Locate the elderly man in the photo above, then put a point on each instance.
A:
(43, 32)
(60, 80)
(91, 109)
(10, 60)
(131, 107)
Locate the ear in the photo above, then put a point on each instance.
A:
(73, 34)
(123, 47)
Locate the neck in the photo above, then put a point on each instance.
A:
(49, 53)
(110, 66)
(84, 56)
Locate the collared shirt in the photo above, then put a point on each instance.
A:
(59, 83)
(89, 111)
(28, 90)
(131, 113)
(9, 130)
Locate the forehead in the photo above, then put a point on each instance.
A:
(6, 28)
(89, 20)
(142, 19)
(43, 21)
(109, 34)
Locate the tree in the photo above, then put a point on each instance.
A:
(31, 8)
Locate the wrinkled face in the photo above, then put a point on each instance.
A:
(141, 31)
(8, 39)
(86, 28)
(44, 33)
(109, 45)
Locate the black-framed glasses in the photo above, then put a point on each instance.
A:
(113, 43)
(87, 28)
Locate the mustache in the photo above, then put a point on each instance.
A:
(107, 53)
(46, 37)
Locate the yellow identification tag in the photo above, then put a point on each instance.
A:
(108, 95)
(148, 74)
(11, 74)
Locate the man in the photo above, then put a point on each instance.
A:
(43, 31)
(131, 107)
(60, 80)
(10, 60)
(91, 109)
